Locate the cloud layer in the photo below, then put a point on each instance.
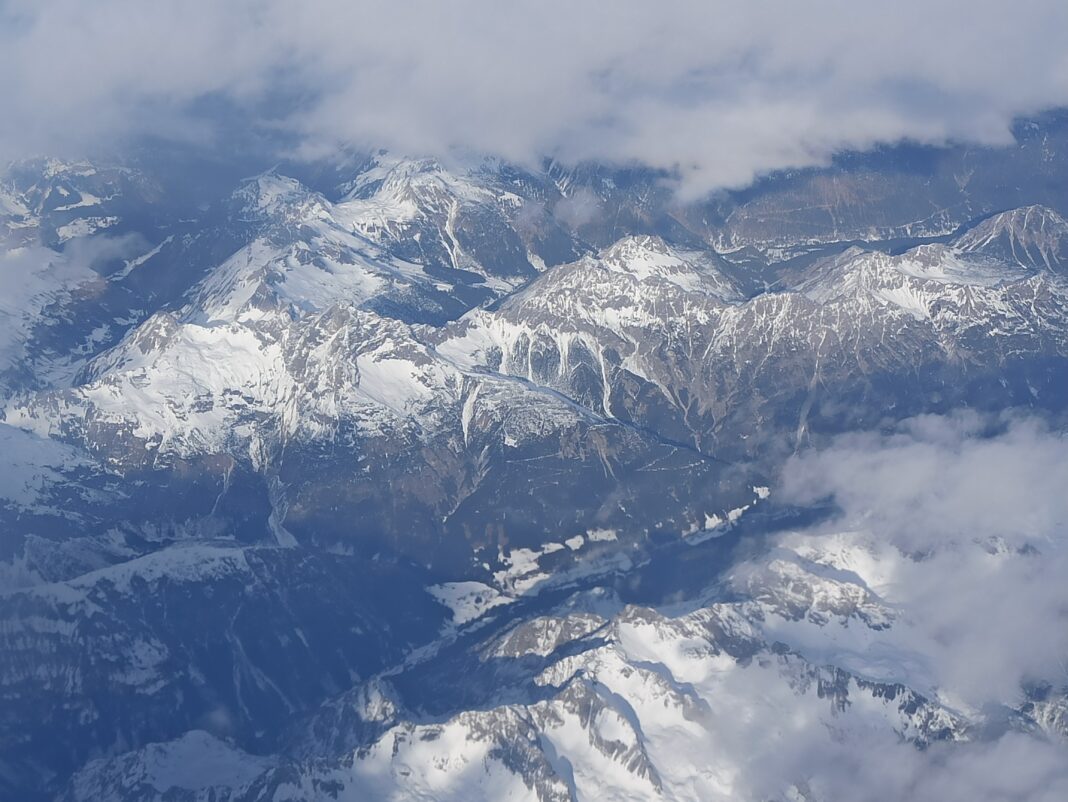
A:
(969, 535)
(959, 524)
(718, 92)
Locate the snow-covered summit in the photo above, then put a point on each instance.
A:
(649, 258)
(1031, 236)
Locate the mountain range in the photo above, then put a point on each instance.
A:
(398, 479)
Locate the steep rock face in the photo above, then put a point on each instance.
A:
(608, 332)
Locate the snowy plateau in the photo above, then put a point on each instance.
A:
(390, 479)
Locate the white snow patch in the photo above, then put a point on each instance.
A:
(84, 226)
(198, 761)
(468, 600)
(601, 535)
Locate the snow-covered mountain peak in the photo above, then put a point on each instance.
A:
(277, 198)
(306, 275)
(52, 167)
(305, 254)
(401, 189)
(853, 271)
(160, 770)
(12, 205)
(641, 248)
(651, 258)
(1031, 236)
(1011, 247)
(927, 269)
(460, 225)
(622, 286)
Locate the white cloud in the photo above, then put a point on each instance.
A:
(719, 91)
(869, 767)
(967, 521)
(950, 478)
(959, 524)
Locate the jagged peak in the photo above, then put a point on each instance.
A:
(1005, 248)
(843, 274)
(420, 182)
(1032, 236)
(640, 246)
(650, 257)
(271, 195)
